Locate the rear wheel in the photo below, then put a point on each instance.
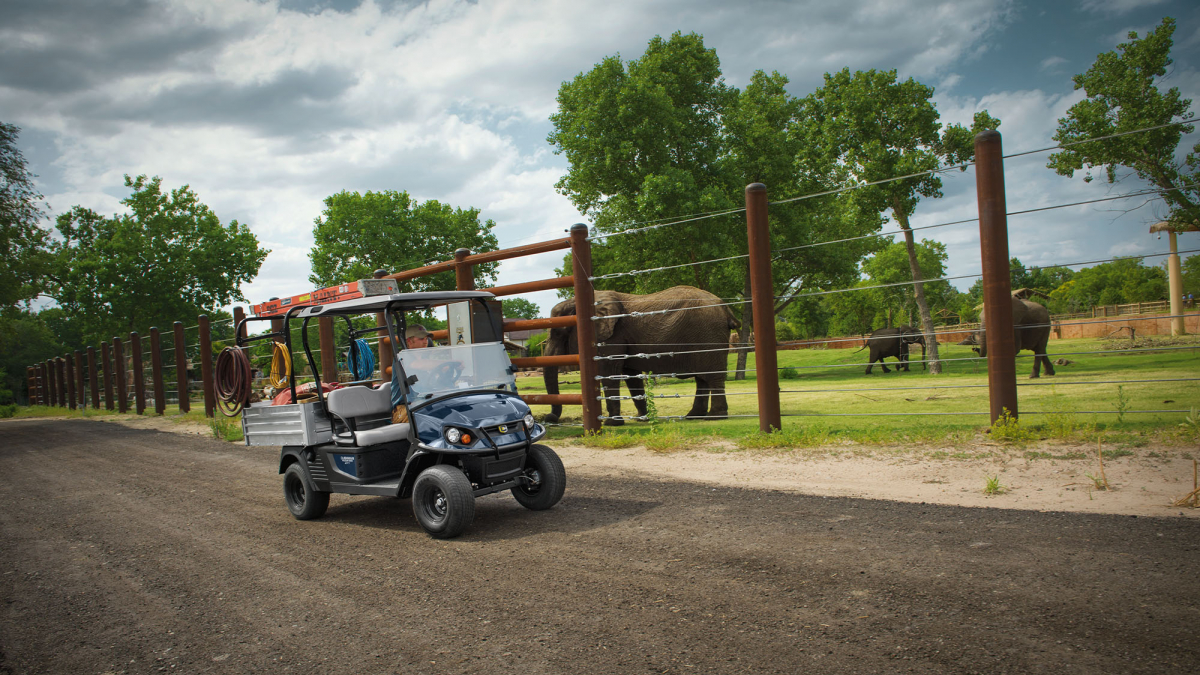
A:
(304, 502)
(546, 479)
(443, 501)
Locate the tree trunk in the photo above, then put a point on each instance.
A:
(935, 366)
(744, 331)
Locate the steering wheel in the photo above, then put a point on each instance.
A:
(446, 374)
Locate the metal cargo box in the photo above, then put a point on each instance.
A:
(292, 424)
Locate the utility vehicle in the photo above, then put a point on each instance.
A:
(467, 432)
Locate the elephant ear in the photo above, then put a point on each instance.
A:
(606, 306)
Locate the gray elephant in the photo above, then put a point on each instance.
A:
(1031, 330)
(706, 328)
(894, 342)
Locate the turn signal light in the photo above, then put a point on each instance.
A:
(466, 438)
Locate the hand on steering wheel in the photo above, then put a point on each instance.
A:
(446, 374)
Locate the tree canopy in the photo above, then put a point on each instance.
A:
(663, 137)
(357, 234)
(1124, 94)
(1122, 281)
(878, 128)
(519, 308)
(170, 257)
(23, 242)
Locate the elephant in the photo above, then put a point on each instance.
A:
(1031, 329)
(894, 342)
(706, 328)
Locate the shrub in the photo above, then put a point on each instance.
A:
(8, 410)
(1008, 429)
(789, 373)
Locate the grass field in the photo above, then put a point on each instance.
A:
(827, 399)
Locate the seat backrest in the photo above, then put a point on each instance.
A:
(350, 402)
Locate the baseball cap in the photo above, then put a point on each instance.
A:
(415, 331)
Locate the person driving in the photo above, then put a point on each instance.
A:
(415, 337)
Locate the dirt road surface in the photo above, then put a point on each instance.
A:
(138, 551)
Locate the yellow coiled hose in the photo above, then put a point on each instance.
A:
(281, 366)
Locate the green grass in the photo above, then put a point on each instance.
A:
(1053, 409)
(858, 415)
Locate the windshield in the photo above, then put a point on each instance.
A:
(441, 370)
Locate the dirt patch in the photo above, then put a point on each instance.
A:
(1045, 479)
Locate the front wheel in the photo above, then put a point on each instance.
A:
(304, 502)
(547, 479)
(443, 501)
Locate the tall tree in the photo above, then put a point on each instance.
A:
(23, 242)
(1124, 94)
(520, 308)
(169, 258)
(662, 137)
(357, 234)
(891, 266)
(879, 128)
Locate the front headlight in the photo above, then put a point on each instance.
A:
(529, 421)
(453, 435)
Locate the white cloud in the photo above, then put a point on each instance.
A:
(1051, 63)
(1116, 6)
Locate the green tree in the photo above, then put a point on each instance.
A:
(662, 137)
(878, 128)
(25, 339)
(891, 266)
(1122, 281)
(520, 308)
(1124, 94)
(1191, 275)
(357, 234)
(168, 259)
(23, 242)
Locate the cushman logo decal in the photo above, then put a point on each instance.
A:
(503, 428)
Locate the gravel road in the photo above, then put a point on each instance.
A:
(135, 551)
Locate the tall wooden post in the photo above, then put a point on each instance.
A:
(51, 385)
(139, 373)
(181, 375)
(206, 365)
(80, 389)
(119, 371)
(1175, 286)
(156, 370)
(997, 287)
(106, 364)
(70, 364)
(60, 372)
(328, 352)
(464, 273)
(31, 384)
(585, 328)
(762, 296)
(385, 346)
(93, 377)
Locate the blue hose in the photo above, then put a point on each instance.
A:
(360, 360)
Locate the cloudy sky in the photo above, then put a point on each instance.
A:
(266, 107)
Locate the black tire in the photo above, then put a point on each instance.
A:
(303, 501)
(443, 501)
(545, 469)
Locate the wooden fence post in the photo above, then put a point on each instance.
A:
(585, 328)
(60, 373)
(106, 364)
(80, 389)
(464, 273)
(156, 371)
(328, 351)
(69, 360)
(181, 376)
(997, 286)
(119, 372)
(93, 377)
(31, 385)
(206, 365)
(762, 296)
(139, 373)
(47, 387)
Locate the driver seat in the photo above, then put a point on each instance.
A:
(364, 406)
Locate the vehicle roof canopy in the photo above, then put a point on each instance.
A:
(404, 302)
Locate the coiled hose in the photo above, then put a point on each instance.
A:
(361, 360)
(281, 366)
(232, 380)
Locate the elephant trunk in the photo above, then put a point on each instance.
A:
(550, 376)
